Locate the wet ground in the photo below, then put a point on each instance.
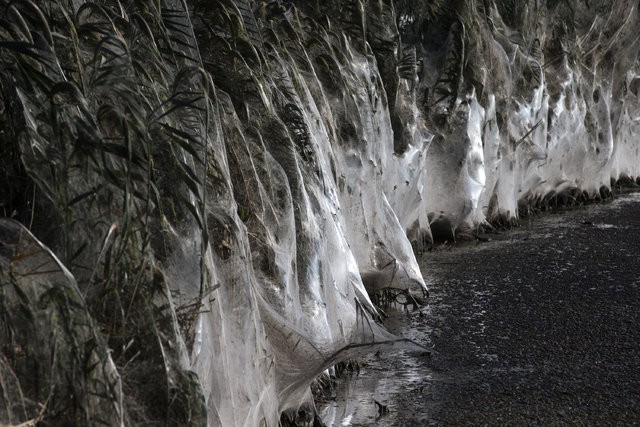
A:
(539, 326)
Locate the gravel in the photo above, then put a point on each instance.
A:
(538, 326)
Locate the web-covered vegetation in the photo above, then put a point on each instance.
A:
(170, 206)
(201, 199)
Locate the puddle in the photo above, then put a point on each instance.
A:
(368, 397)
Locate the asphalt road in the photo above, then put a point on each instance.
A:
(539, 326)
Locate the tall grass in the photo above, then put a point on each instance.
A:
(105, 119)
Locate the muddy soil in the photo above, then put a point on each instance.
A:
(539, 326)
